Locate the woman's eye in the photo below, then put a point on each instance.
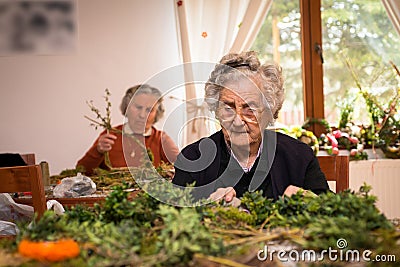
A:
(249, 110)
(228, 109)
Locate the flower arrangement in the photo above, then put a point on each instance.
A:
(331, 142)
(303, 135)
(337, 139)
(384, 128)
(382, 132)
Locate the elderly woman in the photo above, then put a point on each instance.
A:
(246, 97)
(142, 106)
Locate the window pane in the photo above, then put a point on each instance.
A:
(358, 32)
(279, 40)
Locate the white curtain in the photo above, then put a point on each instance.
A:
(209, 29)
(393, 11)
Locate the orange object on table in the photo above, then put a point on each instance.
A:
(49, 250)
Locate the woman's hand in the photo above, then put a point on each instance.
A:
(105, 142)
(226, 193)
(291, 190)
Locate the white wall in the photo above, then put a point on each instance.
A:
(43, 98)
(383, 175)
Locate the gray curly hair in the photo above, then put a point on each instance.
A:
(235, 66)
(143, 89)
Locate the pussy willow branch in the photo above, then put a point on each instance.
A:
(108, 108)
(395, 68)
(357, 81)
(397, 96)
(105, 123)
(391, 111)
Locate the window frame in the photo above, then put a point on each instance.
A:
(312, 60)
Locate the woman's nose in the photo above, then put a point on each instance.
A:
(143, 114)
(238, 120)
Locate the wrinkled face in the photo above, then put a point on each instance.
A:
(241, 112)
(142, 112)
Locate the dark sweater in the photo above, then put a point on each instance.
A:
(283, 161)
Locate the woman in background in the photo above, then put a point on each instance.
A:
(142, 106)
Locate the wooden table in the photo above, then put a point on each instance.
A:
(67, 202)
